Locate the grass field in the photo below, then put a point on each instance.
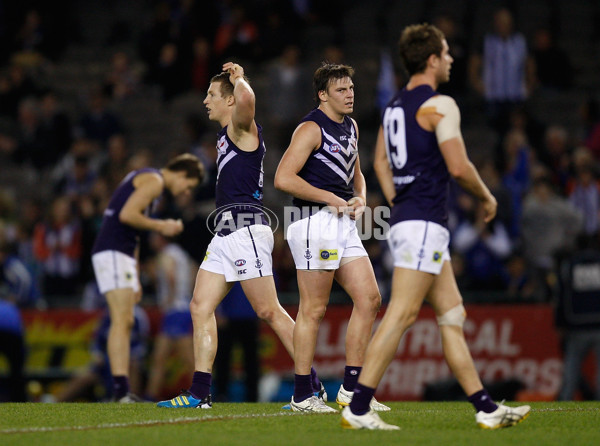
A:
(265, 424)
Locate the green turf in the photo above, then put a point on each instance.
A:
(108, 424)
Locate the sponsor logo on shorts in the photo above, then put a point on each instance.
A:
(242, 271)
(258, 264)
(206, 255)
(128, 276)
(307, 255)
(328, 254)
(240, 262)
(437, 256)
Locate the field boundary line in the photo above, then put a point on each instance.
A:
(145, 423)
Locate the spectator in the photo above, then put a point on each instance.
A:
(202, 64)
(57, 246)
(115, 166)
(516, 175)
(32, 147)
(484, 248)
(556, 154)
(502, 70)
(78, 182)
(17, 284)
(288, 82)
(237, 36)
(585, 196)
(98, 123)
(553, 68)
(122, 80)
(12, 347)
(549, 224)
(174, 277)
(457, 86)
(55, 127)
(168, 72)
(578, 313)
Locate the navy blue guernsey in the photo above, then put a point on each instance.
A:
(239, 191)
(421, 178)
(331, 166)
(114, 235)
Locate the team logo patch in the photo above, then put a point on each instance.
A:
(437, 256)
(328, 254)
(240, 262)
(421, 254)
(334, 148)
(258, 264)
(307, 255)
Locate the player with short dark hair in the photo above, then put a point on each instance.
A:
(114, 255)
(419, 147)
(241, 249)
(321, 170)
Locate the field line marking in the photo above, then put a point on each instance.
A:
(146, 423)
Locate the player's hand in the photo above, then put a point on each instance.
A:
(490, 206)
(337, 206)
(171, 227)
(356, 207)
(235, 71)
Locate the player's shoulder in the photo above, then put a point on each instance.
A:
(443, 104)
(150, 179)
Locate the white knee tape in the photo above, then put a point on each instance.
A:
(454, 316)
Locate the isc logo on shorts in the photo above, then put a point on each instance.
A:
(328, 254)
(240, 262)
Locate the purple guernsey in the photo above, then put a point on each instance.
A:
(114, 235)
(421, 177)
(331, 166)
(239, 192)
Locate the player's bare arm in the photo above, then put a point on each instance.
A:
(242, 131)
(383, 170)
(357, 204)
(148, 186)
(445, 121)
(306, 138)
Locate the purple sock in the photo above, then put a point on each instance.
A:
(361, 399)
(120, 386)
(482, 402)
(201, 385)
(351, 377)
(316, 384)
(303, 388)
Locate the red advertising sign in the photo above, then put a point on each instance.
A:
(506, 341)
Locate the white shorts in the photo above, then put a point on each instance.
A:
(242, 255)
(115, 270)
(419, 245)
(323, 239)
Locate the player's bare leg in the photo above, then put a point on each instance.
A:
(358, 280)
(409, 288)
(120, 304)
(262, 295)
(209, 291)
(444, 296)
(315, 288)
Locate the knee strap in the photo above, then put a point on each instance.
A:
(454, 316)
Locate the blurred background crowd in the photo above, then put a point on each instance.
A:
(91, 89)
